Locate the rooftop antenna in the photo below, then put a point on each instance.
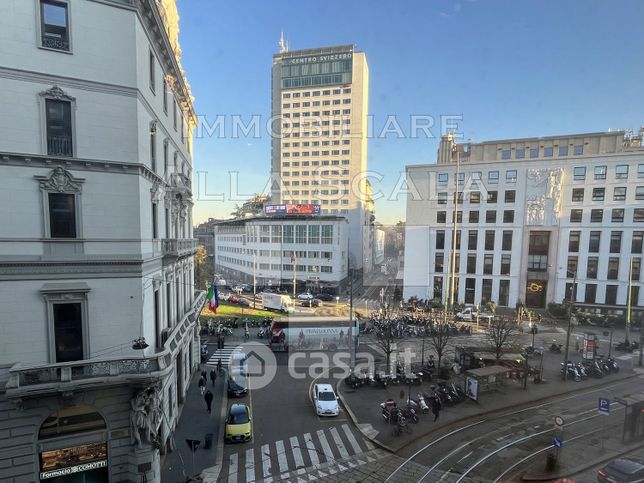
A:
(283, 45)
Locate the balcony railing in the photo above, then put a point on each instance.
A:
(59, 145)
(179, 247)
(68, 376)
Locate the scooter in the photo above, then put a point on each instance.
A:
(422, 404)
(556, 348)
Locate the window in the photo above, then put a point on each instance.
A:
(326, 269)
(563, 150)
(621, 171)
(575, 216)
(314, 234)
(474, 216)
(591, 293)
(440, 240)
(505, 154)
(596, 216)
(441, 217)
(327, 234)
(472, 239)
(519, 153)
(600, 172)
(443, 179)
(471, 263)
(617, 215)
(152, 62)
(68, 331)
(511, 176)
(492, 196)
(493, 177)
(573, 241)
(153, 146)
(639, 193)
(613, 268)
(504, 292)
(488, 263)
(155, 227)
(547, 151)
(611, 295)
(594, 241)
(54, 25)
(489, 239)
(578, 150)
(591, 267)
(461, 179)
(459, 216)
(490, 216)
(638, 215)
(62, 215)
(505, 264)
(571, 267)
(637, 242)
(537, 263)
(506, 242)
(438, 288)
(578, 194)
(579, 173)
(598, 194)
(174, 115)
(438, 262)
(636, 269)
(510, 196)
(475, 197)
(619, 194)
(442, 197)
(534, 152)
(640, 171)
(615, 241)
(508, 216)
(58, 118)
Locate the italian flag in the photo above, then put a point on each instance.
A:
(213, 298)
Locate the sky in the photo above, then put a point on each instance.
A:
(494, 69)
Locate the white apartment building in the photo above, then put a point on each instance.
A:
(96, 248)
(534, 216)
(320, 101)
(270, 248)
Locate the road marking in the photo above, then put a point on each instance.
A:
(310, 446)
(338, 443)
(352, 440)
(281, 456)
(464, 457)
(325, 446)
(297, 454)
(250, 465)
(232, 468)
(441, 460)
(266, 460)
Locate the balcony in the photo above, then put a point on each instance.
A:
(61, 378)
(59, 145)
(179, 247)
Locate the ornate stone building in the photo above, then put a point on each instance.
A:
(98, 312)
(534, 217)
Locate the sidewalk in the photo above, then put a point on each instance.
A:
(195, 423)
(363, 404)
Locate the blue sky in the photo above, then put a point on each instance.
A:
(509, 68)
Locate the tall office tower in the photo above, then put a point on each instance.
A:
(96, 250)
(319, 147)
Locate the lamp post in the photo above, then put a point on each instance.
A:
(254, 279)
(627, 336)
(573, 289)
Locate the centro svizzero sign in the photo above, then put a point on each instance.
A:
(318, 58)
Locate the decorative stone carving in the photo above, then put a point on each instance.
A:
(155, 191)
(543, 196)
(536, 211)
(57, 93)
(60, 180)
(145, 416)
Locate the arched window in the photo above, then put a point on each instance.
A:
(71, 420)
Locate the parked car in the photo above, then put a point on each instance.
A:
(325, 400)
(311, 303)
(234, 299)
(239, 425)
(622, 469)
(325, 297)
(470, 314)
(237, 386)
(304, 296)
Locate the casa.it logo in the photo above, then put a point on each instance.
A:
(255, 360)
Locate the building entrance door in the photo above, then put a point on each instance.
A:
(535, 293)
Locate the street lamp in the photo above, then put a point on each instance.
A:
(573, 289)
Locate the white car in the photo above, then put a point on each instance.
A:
(325, 400)
(305, 296)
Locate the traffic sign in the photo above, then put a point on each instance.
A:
(604, 406)
(559, 421)
(557, 442)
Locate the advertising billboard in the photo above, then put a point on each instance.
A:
(303, 209)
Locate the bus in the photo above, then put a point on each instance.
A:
(312, 333)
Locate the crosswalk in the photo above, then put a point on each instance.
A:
(306, 457)
(224, 355)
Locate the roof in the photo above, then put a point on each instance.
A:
(315, 51)
(325, 387)
(243, 221)
(487, 371)
(238, 408)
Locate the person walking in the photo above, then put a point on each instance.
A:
(213, 377)
(202, 385)
(436, 408)
(208, 397)
(204, 374)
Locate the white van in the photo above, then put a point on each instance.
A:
(325, 400)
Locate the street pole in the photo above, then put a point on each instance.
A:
(294, 274)
(572, 291)
(254, 280)
(458, 172)
(627, 337)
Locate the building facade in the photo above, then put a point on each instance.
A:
(320, 103)
(276, 250)
(534, 217)
(98, 327)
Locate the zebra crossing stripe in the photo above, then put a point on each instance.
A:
(250, 465)
(325, 446)
(281, 456)
(266, 460)
(352, 440)
(310, 446)
(338, 443)
(232, 468)
(297, 454)
(369, 444)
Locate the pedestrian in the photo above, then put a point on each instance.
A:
(219, 369)
(204, 374)
(436, 408)
(202, 385)
(213, 377)
(208, 397)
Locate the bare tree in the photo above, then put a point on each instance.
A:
(501, 333)
(385, 330)
(204, 269)
(438, 338)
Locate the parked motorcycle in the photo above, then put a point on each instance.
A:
(556, 348)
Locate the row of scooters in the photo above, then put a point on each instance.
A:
(591, 368)
(382, 379)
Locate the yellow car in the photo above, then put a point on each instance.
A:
(239, 426)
